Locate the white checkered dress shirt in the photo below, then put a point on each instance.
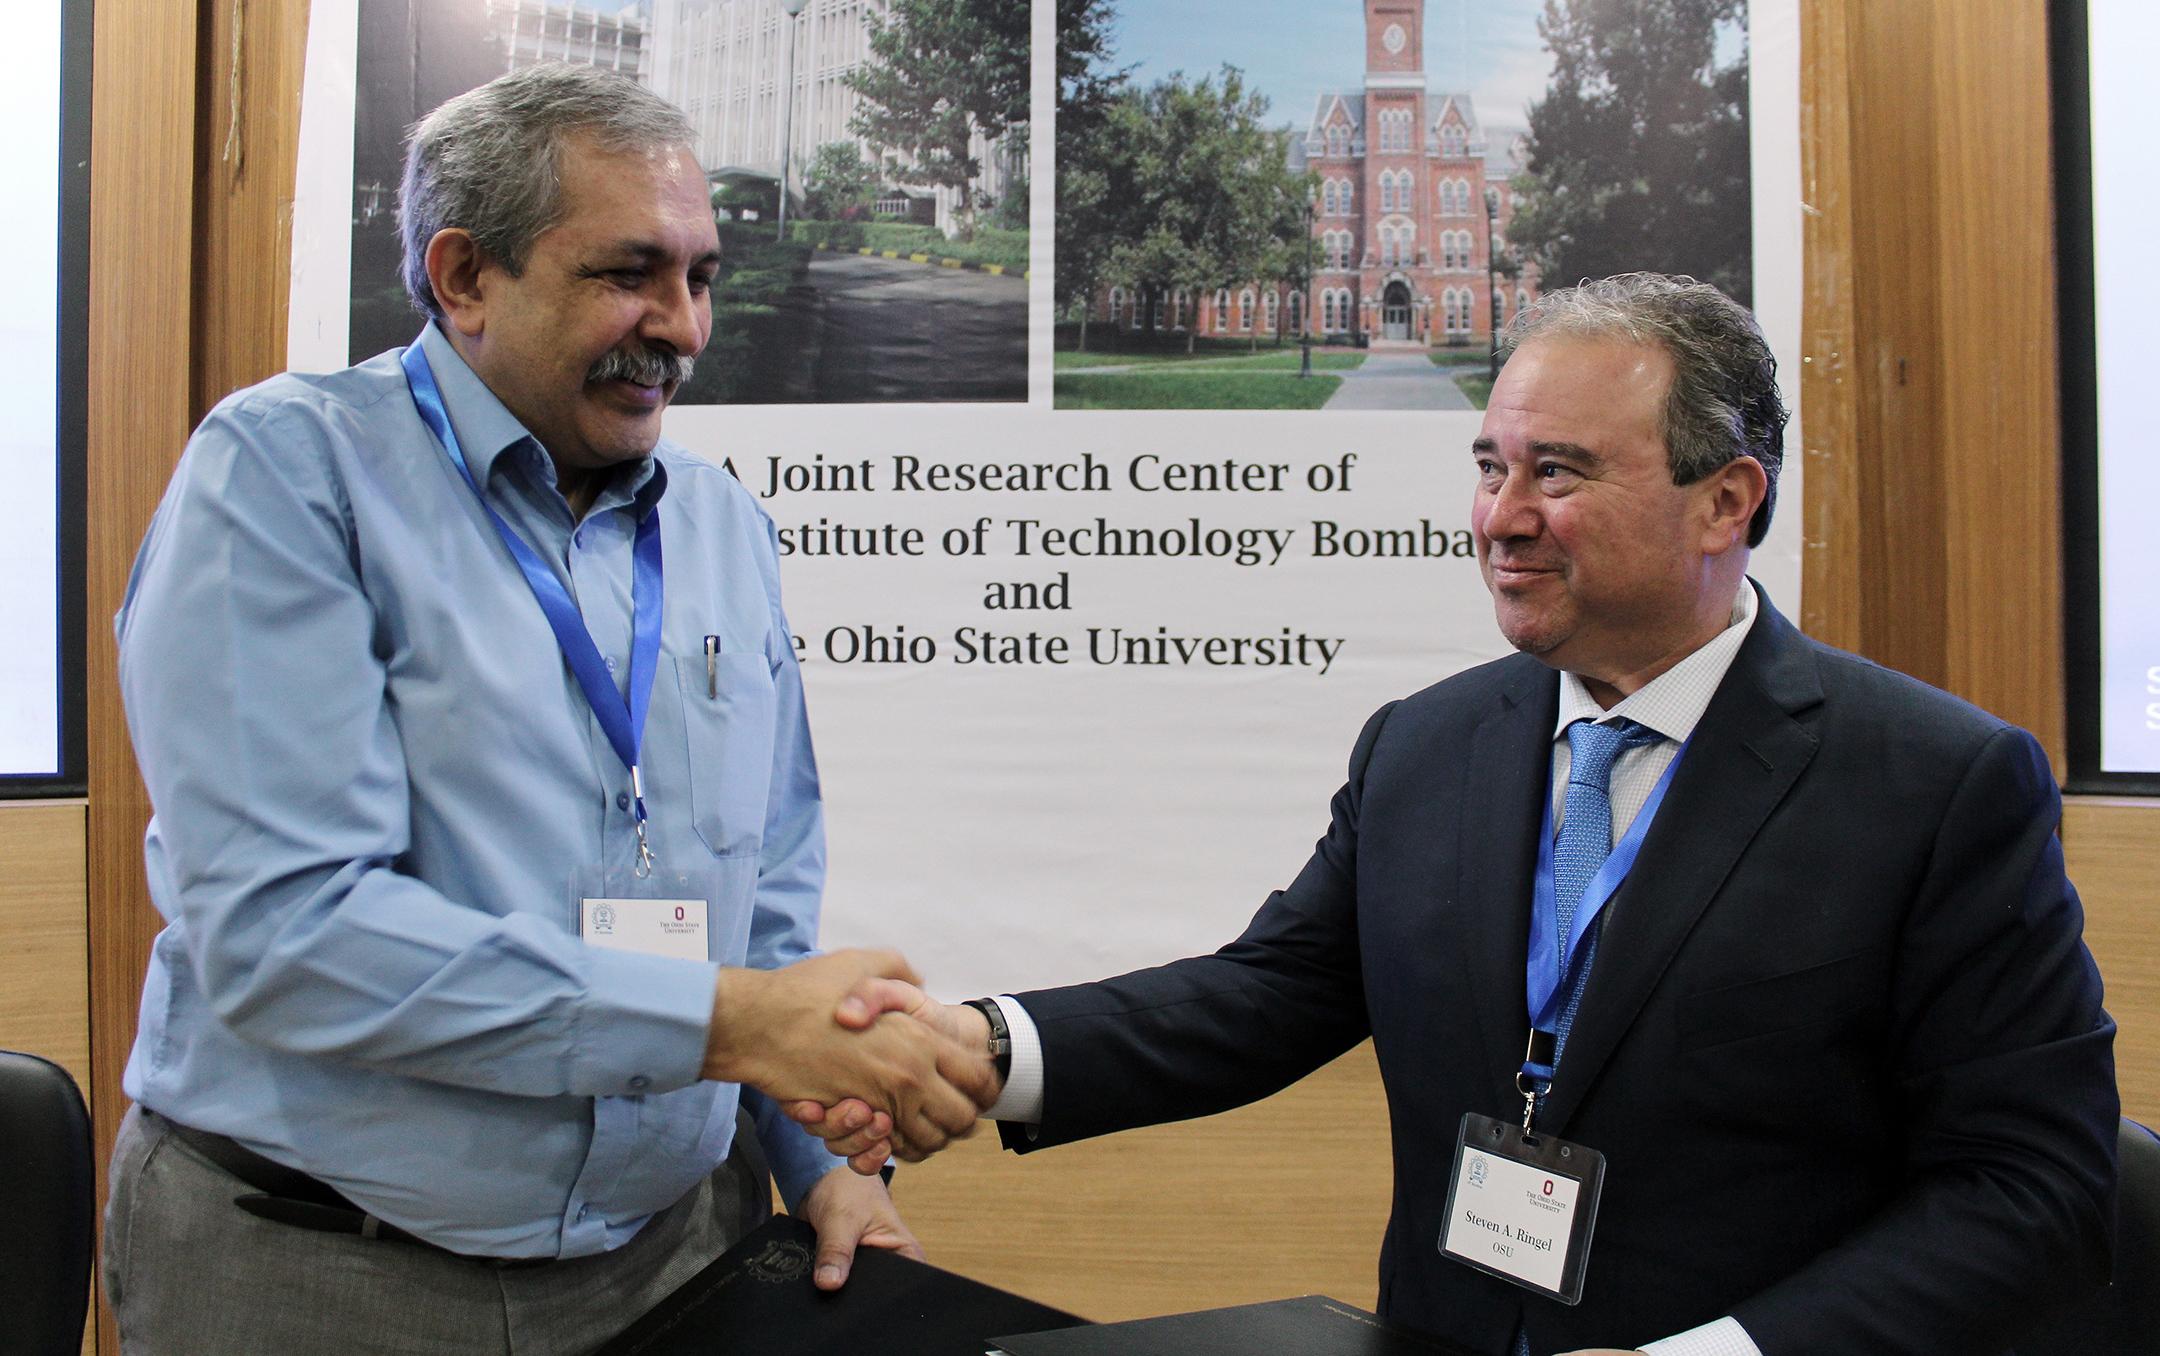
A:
(1671, 704)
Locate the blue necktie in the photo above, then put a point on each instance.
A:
(1584, 842)
(1586, 839)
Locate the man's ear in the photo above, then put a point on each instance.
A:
(456, 269)
(1731, 494)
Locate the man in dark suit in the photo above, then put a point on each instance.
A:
(1835, 1033)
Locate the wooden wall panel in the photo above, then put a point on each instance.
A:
(45, 964)
(1287, 1196)
(2113, 847)
(1935, 537)
(1934, 532)
(141, 347)
(141, 234)
(248, 146)
(1829, 387)
(1899, 352)
(1998, 441)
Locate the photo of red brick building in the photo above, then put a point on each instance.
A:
(1337, 204)
(1409, 217)
(1414, 201)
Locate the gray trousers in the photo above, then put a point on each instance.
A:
(188, 1273)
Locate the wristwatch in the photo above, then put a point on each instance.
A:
(1000, 1050)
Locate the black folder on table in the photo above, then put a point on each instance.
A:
(758, 1298)
(1313, 1325)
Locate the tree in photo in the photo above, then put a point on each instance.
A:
(1094, 172)
(1010, 211)
(1210, 194)
(840, 185)
(1638, 153)
(1286, 257)
(939, 72)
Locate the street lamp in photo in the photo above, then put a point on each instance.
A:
(1304, 367)
(794, 9)
(1492, 278)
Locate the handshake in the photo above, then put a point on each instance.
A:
(855, 1052)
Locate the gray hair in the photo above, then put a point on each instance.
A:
(488, 162)
(1724, 399)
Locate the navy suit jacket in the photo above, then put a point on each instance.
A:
(1842, 1046)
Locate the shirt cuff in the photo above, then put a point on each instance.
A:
(1725, 1337)
(643, 1024)
(1022, 1098)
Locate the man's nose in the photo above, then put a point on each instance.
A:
(677, 317)
(1512, 511)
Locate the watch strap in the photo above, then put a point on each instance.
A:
(1000, 1047)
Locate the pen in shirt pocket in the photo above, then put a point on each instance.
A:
(712, 668)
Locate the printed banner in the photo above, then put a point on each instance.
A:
(1093, 587)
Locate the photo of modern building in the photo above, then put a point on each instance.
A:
(582, 34)
(876, 248)
(723, 62)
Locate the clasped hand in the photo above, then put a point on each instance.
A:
(855, 1128)
(911, 1080)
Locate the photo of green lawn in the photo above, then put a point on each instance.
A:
(1216, 375)
(1232, 374)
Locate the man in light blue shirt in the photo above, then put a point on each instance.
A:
(487, 836)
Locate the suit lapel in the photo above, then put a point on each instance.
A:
(1745, 755)
(1503, 777)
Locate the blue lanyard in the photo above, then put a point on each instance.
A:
(622, 721)
(1553, 967)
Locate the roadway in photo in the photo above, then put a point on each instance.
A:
(895, 330)
(1400, 380)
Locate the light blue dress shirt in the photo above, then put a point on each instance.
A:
(374, 775)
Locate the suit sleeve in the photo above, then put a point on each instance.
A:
(1209, 1033)
(2004, 1073)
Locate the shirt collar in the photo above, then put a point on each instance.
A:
(488, 432)
(1673, 702)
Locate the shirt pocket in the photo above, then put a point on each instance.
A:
(728, 730)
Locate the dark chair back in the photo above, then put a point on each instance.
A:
(48, 1195)
(2124, 1319)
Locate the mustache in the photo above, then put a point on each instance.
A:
(642, 367)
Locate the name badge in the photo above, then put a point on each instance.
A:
(1522, 1207)
(655, 927)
